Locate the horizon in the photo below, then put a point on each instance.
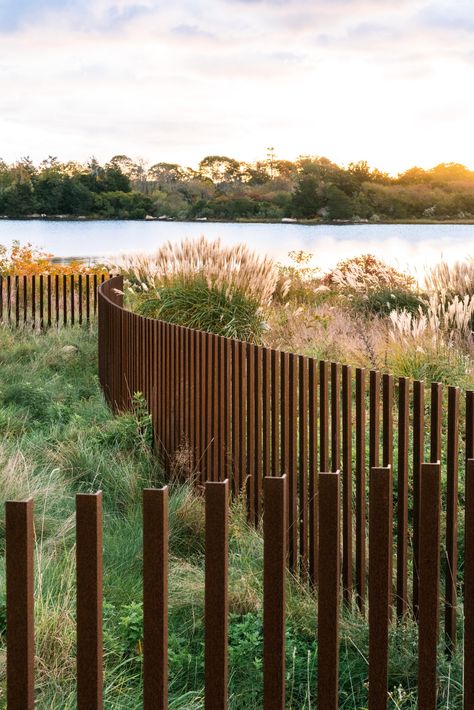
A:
(385, 82)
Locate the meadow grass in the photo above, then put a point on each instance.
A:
(57, 437)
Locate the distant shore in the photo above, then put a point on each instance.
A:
(334, 222)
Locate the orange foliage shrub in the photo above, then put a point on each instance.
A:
(28, 260)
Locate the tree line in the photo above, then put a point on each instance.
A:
(222, 188)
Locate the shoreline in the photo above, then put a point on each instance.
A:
(285, 221)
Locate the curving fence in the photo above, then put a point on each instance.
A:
(47, 300)
(364, 485)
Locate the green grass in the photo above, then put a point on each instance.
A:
(58, 437)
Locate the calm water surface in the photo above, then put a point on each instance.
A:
(407, 246)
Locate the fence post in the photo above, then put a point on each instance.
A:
(20, 604)
(274, 585)
(469, 589)
(216, 595)
(328, 590)
(380, 553)
(429, 583)
(402, 491)
(155, 599)
(360, 465)
(89, 601)
(451, 568)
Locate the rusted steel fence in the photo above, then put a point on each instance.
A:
(47, 300)
(356, 475)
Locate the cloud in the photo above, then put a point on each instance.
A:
(174, 81)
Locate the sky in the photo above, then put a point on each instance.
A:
(387, 81)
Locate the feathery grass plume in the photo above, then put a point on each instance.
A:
(446, 318)
(453, 279)
(203, 285)
(228, 269)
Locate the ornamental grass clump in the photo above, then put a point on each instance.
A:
(452, 279)
(203, 285)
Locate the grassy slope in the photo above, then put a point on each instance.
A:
(57, 437)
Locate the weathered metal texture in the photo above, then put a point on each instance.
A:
(258, 424)
(155, 599)
(89, 601)
(302, 484)
(418, 456)
(323, 416)
(360, 467)
(402, 495)
(235, 415)
(19, 538)
(275, 415)
(335, 416)
(313, 470)
(266, 414)
(216, 595)
(275, 550)
(429, 566)
(380, 538)
(451, 563)
(293, 463)
(469, 587)
(374, 430)
(251, 431)
(436, 421)
(347, 483)
(328, 591)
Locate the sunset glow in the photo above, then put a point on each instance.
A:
(381, 80)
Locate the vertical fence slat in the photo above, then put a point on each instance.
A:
(251, 430)
(402, 495)
(429, 584)
(328, 590)
(323, 416)
(347, 482)
(418, 457)
(360, 466)
(19, 533)
(451, 567)
(267, 413)
(469, 587)
(380, 504)
(17, 301)
(89, 601)
(436, 421)
(258, 397)
(293, 462)
(275, 415)
(335, 416)
(303, 397)
(275, 533)
(216, 595)
(155, 599)
(374, 421)
(313, 470)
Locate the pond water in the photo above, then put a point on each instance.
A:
(407, 246)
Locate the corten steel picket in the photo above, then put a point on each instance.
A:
(302, 483)
(451, 563)
(402, 495)
(89, 662)
(266, 412)
(313, 471)
(347, 482)
(275, 535)
(323, 416)
(19, 536)
(469, 587)
(429, 566)
(380, 553)
(335, 416)
(216, 601)
(436, 421)
(328, 590)
(374, 429)
(360, 442)
(418, 457)
(293, 462)
(155, 599)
